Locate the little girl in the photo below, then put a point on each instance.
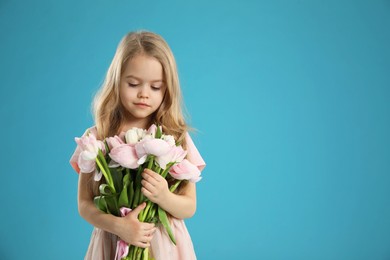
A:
(141, 88)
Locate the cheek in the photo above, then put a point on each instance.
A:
(160, 97)
(122, 96)
(125, 94)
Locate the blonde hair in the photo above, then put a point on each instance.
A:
(107, 109)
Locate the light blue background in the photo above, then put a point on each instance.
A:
(291, 100)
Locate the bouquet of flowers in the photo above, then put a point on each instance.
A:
(121, 161)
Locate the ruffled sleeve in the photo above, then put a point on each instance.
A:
(75, 157)
(193, 154)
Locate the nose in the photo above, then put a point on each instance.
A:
(143, 91)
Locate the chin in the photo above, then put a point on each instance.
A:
(140, 115)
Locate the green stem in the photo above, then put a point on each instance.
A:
(105, 165)
(128, 173)
(165, 172)
(145, 211)
(137, 195)
(131, 253)
(173, 188)
(139, 253)
(151, 213)
(151, 161)
(146, 254)
(107, 176)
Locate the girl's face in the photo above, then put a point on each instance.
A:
(142, 87)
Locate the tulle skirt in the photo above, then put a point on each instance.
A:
(103, 244)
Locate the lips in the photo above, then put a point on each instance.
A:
(141, 104)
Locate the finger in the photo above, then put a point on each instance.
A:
(150, 233)
(147, 185)
(149, 171)
(152, 181)
(148, 226)
(154, 178)
(146, 239)
(147, 193)
(150, 175)
(142, 244)
(138, 209)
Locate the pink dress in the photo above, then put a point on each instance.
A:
(103, 244)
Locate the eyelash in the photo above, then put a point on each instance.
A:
(135, 85)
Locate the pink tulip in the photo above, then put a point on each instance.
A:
(114, 141)
(152, 130)
(125, 155)
(185, 171)
(175, 154)
(89, 150)
(122, 248)
(121, 153)
(156, 147)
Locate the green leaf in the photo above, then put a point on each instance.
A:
(100, 203)
(106, 146)
(158, 132)
(112, 205)
(105, 189)
(117, 176)
(130, 193)
(103, 160)
(102, 164)
(129, 174)
(126, 178)
(123, 197)
(137, 194)
(136, 197)
(162, 215)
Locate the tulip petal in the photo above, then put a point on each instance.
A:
(125, 155)
(98, 176)
(156, 147)
(152, 130)
(185, 171)
(142, 159)
(113, 164)
(86, 166)
(122, 249)
(88, 156)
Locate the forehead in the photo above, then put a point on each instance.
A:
(145, 68)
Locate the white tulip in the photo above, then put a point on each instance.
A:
(132, 136)
(169, 139)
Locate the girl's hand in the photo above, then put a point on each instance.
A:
(154, 186)
(135, 232)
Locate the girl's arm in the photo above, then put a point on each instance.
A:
(127, 228)
(155, 188)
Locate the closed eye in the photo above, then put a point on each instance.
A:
(132, 85)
